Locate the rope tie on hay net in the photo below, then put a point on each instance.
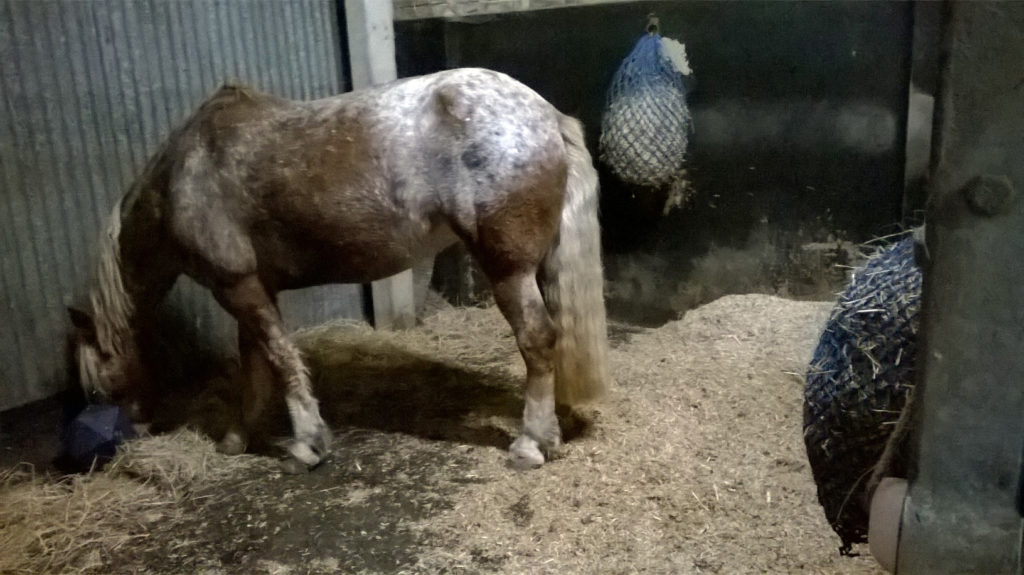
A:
(646, 124)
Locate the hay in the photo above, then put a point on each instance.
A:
(457, 376)
(695, 464)
(69, 526)
(74, 524)
(181, 462)
(477, 337)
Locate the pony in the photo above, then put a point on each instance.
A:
(255, 194)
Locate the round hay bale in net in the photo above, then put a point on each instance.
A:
(646, 123)
(858, 382)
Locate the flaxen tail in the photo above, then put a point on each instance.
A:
(573, 281)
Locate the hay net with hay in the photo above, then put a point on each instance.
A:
(646, 123)
(858, 381)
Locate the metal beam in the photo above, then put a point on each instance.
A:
(962, 512)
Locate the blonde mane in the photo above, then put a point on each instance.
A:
(111, 306)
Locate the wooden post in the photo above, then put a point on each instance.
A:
(371, 45)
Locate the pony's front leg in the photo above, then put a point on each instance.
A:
(257, 313)
(520, 301)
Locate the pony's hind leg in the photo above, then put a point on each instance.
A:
(255, 379)
(257, 313)
(519, 298)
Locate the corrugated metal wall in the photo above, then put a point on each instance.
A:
(89, 90)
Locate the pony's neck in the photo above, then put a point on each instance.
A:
(136, 269)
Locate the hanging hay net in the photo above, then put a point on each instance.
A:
(646, 123)
(858, 382)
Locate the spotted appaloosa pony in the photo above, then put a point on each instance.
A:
(257, 194)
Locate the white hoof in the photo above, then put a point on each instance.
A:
(304, 453)
(312, 436)
(525, 453)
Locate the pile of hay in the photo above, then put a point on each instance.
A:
(858, 383)
(58, 527)
(467, 336)
(74, 524)
(695, 464)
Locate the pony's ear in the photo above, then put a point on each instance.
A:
(83, 323)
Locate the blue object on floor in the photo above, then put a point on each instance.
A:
(94, 434)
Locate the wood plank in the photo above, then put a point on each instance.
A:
(420, 9)
(371, 43)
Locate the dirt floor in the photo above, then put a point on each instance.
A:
(695, 464)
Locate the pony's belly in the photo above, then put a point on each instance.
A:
(329, 266)
(356, 261)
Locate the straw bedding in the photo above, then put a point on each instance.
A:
(73, 524)
(694, 464)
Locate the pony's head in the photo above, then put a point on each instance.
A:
(103, 341)
(105, 368)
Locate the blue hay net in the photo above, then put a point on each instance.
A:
(643, 68)
(858, 382)
(646, 124)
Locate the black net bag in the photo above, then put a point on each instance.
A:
(858, 382)
(646, 123)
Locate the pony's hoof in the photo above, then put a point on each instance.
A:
(525, 453)
(322, 442)
(304, 453)
(312, 440)
(231, 444)
(312, 452)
